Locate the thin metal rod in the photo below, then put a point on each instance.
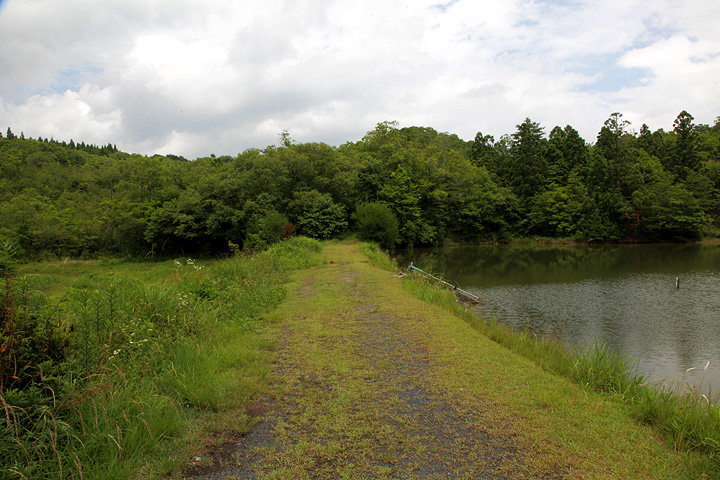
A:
(468, 294)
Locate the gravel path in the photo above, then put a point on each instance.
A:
(353, 397)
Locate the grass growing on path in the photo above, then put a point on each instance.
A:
(371, 382)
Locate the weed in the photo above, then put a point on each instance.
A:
(378, 257)
(97, 376)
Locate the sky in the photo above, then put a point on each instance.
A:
(199, 77)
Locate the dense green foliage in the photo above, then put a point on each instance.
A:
(91, 382)
(75, 199)
(376, 223)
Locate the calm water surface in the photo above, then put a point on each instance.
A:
(623, 295)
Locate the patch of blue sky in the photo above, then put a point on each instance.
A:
(560, 3)
(656, 29)
(71, 79)
(608, 75)
(526, 22)
(3, 3)
(555, 8)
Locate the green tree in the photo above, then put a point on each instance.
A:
(561, 210)
(685, 159)
(285, 139)
(528, 165)
(567, 152)
(402, 193)
(669, 212)
(645, 139)
(613, 146)
(267, 229)
(603, 219)
(478, 209)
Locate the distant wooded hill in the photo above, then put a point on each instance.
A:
(74, 199)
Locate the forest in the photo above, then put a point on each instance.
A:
(404, 187)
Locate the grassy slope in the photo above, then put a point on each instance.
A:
(362, 367)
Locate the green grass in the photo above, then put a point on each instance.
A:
(689, 419)
(378, 257)
(128, 365)
(606, 370)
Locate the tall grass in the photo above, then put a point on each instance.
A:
(606, 370)
(378, 256)
(95, 379)
(689, 418)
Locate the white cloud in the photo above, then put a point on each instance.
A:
(192, 77)
(71, 115)
(682, 75)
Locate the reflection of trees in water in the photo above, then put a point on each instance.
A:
(623, 295)
(497, 265)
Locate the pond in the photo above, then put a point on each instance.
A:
(659, 304)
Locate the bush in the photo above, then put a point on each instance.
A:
(268, 229)
(375, 222)
(318, 216)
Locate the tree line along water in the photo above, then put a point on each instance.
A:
(626, 185)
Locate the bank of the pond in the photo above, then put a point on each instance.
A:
(377, 377)
(688, 419)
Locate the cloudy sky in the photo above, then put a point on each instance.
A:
(195, 77)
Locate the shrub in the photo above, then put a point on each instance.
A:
(319, 217)
(268, 229)
(375, 222)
